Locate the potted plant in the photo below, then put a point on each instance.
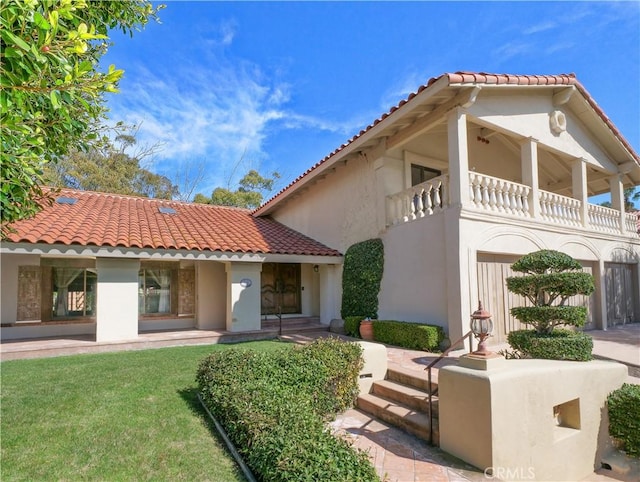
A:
(366, 329)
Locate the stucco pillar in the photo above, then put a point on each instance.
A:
(458, 157)
(579, 178)
(330, 288)
(117, 299)
(617, 198)
(243, 296)
(529, 166)
(600, 295)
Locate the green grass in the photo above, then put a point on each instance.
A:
(114, 416)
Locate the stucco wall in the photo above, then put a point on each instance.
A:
(414, 282)
(339, 210)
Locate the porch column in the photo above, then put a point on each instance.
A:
(117, 299)
(600, 295)
(617, 198)
(330, 287)
(529, 166)
(243, 296)
(458, 158)
(579, 179)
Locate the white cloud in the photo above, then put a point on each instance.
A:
(540, 27)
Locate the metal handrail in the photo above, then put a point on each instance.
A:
(469, 335)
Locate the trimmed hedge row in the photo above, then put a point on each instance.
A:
(352, 325)
(361, 278)
(624, 417)
(408, 335)
(274, 406)
(560, 344)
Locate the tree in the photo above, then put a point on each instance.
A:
(51, 91)
(111, 169)
(630, 196)
(550, 279)
(250, 193)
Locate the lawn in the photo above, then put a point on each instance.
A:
(114, 416)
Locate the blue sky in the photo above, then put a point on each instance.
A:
(280, 85)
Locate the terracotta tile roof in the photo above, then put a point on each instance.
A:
(471, 78)
(113, 220)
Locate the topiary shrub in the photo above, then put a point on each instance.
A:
(624, 417)
(550, 279)
(352, 325)
(560, 344)
(274, 405)
(361, 278)
(408, 335)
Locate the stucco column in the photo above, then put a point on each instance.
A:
(529, 166)
(600, 295)
(330, 289)
(579, 178)
(117, 299)
(243, 296)
(617, 198)
(458, 157)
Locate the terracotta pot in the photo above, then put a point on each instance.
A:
(366, 330)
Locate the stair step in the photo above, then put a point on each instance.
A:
(412, 378)
(406, 395)
(399, 415)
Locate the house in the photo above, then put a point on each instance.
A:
(460, 179)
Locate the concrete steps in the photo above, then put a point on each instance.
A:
(402, 401)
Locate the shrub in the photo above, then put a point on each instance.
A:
(361, 278)
(624, 417)
(273, 406)
(550, 279)
(352, 325)
(560, 344)
(408, 335)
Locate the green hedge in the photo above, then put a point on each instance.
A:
(560, 344)
(361, 278)
(352, 325)
(274, 407)
(624, 417)
(408, 335)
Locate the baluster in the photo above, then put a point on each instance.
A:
(499, 192)
(437, 200)
(419, 203)
(477, 192)
(525, 201)
(544, 206)
(485, 193)
(492, 194)
(519, 200)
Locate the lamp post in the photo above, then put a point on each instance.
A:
(481, 327)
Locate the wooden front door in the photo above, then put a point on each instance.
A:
(280, 288)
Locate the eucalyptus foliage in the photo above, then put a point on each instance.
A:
(51, 88)
(550, 279)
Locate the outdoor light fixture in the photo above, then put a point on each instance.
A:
(315, 268)
(481, 327)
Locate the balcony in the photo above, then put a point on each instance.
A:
(508, 199)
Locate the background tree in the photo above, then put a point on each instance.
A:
(51, 91)
(631, 194)
(251, 191)
(111, 168)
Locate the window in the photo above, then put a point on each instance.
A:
(154, 291)
(420, 174)
(73, 292)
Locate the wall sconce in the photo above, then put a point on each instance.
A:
(481, 327)
(316, 268)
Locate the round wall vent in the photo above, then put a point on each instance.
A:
(558, 121)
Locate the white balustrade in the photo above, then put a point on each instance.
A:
(418, 201)
(604, 219)
(499, 195)
(560, 209)
(632, 222)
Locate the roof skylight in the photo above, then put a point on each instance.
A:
(66, 200)
(167, 210)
